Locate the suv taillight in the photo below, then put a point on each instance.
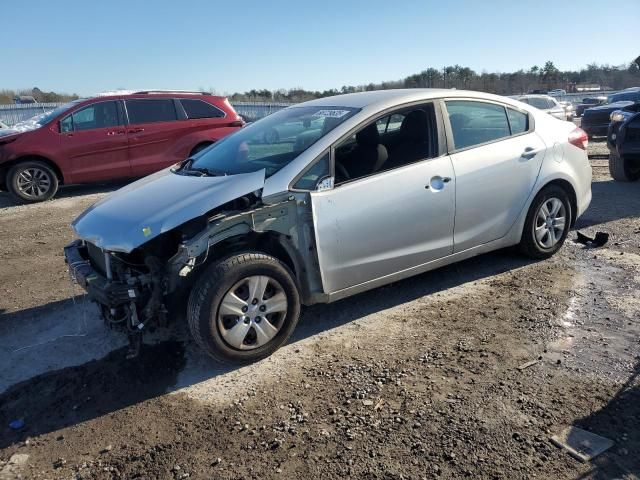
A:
(579, 138)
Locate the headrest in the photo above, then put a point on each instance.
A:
(368, 136)
(415, 126)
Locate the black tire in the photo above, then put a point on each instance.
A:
(198, 148)
(47, 178)
(529, 245)
(622, 170)
(212, 286)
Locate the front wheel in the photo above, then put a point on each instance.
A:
(32, 181)
(622, 170)
(243, 307)
(547, 223)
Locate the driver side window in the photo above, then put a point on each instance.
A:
(397, 139)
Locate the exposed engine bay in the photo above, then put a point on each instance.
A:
(139, 290)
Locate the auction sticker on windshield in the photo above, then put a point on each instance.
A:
(331, 113)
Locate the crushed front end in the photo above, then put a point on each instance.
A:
(128, 288)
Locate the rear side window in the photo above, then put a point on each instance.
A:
(474, 123)
(200, 109)
(518, 121)
(150, 111)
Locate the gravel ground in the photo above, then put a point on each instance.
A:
(415, 380)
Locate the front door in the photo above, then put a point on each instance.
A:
(94, 141)
(385, 223)
(393, 205)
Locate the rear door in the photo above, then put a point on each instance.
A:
(94, 140)
(152, 132)
(497, 156)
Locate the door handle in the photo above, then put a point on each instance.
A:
(136, 130)
(113, 132)
(530, 152)
(437, 183)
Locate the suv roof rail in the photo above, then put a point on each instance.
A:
(171, 91)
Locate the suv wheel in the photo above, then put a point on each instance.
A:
(243, 307)
(623, 170)
(547, 223)
(32, 181)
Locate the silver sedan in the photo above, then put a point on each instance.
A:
(373, 187)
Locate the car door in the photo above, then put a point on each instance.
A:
(94, 141)
(497, 156)
(153, 128)
(386, 222)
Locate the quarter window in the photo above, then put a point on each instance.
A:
(150, 111)
(518, 121)
(474, 123)
(314, 174)
(200, 109)
(98, 115)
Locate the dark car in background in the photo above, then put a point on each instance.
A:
(108, 137)
(623, 140)
(595, 121)
(589, 102)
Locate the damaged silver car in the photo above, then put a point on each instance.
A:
(373, 187)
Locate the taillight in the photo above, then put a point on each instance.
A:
(579, 138)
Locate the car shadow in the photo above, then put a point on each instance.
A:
(611, 201)
(618, 420)
(7, 200)
(65, 397)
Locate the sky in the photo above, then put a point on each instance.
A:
(85, 46)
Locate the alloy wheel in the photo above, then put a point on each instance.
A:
(33, 182)
(252, 312)
(550, 223)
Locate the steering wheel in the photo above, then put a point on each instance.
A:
(342, 171)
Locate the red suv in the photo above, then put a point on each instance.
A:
(110, 137)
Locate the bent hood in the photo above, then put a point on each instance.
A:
(156, 204)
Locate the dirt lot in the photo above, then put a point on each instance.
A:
(415, 380)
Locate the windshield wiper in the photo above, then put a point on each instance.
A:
(187, 169)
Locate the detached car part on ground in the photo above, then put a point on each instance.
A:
(372, 188)
(108, 137)
(623, 140)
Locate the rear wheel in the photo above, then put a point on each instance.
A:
(623, 170)
(547, 223)
(243, 308)
(32, 181)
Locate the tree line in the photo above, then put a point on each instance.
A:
(9, 96)
(545, 77)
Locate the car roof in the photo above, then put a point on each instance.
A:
(150, 93)
(534, 96)
(389, 98)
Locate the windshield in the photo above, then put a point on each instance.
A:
(270, 143)
(619, 97)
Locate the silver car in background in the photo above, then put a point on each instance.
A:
(370, 188)
(545, 103)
